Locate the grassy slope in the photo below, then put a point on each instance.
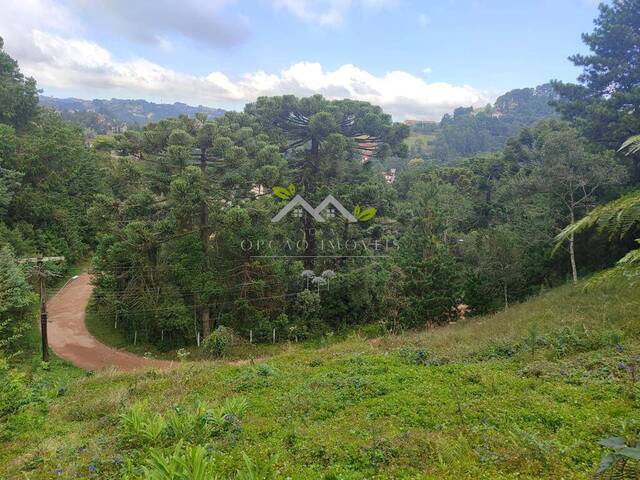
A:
(104, 330)
(469, 400)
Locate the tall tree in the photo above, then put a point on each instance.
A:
(18, 95)
(620, 217)
(573, 174)
(16, 300)
(605, 103)
(352, 131)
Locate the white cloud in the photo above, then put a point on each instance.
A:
(20, 18)
(427, 70)
(208, 22)
(327, 13)
(51, 48)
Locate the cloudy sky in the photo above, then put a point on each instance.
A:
(417, 59)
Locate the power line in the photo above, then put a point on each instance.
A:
(213, 304)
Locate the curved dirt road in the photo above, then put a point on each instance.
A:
(70, 339)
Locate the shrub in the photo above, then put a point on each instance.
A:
(140, 426)
(13, 390)
(569, 340)
(499, 349)
(183, 463)
(218, 343)
(374, 330)
(196, 424)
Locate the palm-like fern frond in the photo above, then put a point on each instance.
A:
(617, 217)
(631, 145)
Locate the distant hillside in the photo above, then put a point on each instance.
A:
(469, 131)
(108, 116)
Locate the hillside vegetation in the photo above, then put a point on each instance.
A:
(468, 131)
(525, 393)
(104, 116)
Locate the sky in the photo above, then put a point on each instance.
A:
(416, 59)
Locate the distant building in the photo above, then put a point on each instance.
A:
(118, 128)
(390, 175)
(259, 190)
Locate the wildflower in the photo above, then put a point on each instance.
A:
(59, 472)
(116, 461)
(623, 366)
(619, 348)
(92, 468)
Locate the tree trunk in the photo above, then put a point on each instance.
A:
(307, 222)
(206, 321)
(572, 252)
(506, 298)
(204, 239)
(636, 169)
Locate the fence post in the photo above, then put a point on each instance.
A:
(250, 336)
(274, 335)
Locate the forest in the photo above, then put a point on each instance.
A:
(167, 210)
(175, 219)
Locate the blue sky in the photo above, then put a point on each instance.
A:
(418, 59)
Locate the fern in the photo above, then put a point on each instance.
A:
(631, 145)
(621, 464)
(616, 217)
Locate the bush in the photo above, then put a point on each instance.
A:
(374, 330)
(569, 340)
(218, 343)
(195, 424)
(183, 463)
(13, 390)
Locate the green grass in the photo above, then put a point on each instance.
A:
(105, 332)
(525, 393)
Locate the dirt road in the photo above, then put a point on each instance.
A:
(70, 339)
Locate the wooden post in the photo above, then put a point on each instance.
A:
(250, 336)
(41, 274)
(274, 336)
(43, 308)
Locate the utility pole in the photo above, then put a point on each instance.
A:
(41, 275)
(43, 308)
(204, 239)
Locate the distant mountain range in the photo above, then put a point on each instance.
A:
(468, 131)
(112, 116)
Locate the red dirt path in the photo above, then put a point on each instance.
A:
(70, 339)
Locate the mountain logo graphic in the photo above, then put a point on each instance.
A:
(297, 204)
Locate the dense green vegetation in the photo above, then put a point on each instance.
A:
(110, 116)
(525, 393)
(470, 131)
(178, 221)
(382, 355)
